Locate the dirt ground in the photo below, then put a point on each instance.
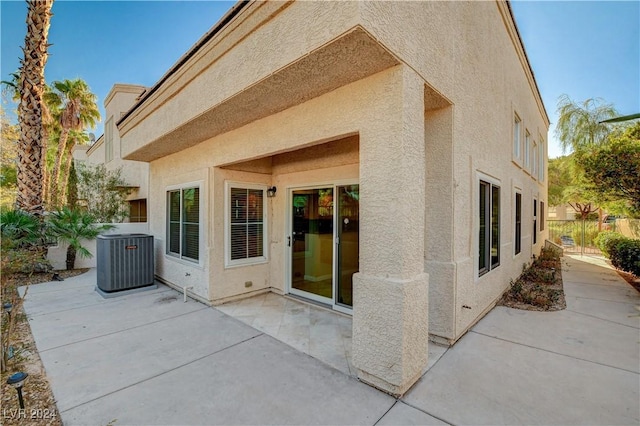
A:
(40, 405)
(631, 279)
(539, 287)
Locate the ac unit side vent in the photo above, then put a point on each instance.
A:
(124, 261)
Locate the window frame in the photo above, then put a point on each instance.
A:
(534, 237)
(181, 189)
(138, 202)
(232, 263)
(541, 159)
(490, 227)
(534, 160)
(517, 237)
(517, 138)
(526, 162)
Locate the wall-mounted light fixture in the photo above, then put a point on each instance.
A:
(271, 192)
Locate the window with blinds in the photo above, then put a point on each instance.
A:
(183, 223)
(138, 210)
(246, 241)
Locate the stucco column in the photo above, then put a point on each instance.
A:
(390, 316)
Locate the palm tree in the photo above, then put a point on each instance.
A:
(19, 229)
(78, 111)
(50, 126)
(11, 88)
(51, 130)
(580, 125)
(31, 87)
(72, 227)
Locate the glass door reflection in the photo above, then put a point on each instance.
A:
(348, 235)
(312, 242)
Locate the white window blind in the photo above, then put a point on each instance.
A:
(246, 236)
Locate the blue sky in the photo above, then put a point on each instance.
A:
(585, 49)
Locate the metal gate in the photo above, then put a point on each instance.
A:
(575, 236)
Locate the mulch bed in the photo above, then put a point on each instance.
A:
(630, 278)
(539, 288)
(40, 406)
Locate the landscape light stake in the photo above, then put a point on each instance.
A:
(7, 307)
(17, 381)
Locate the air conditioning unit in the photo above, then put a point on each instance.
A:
(124, 262)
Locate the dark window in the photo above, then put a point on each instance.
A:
(489, 232)
(138, 210)
(518, 242)
(183, 224)
(535, 221)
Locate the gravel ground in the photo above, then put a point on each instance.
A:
(40, 406)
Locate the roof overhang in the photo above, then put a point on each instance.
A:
(350, 57)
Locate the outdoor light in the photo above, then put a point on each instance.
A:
(271, 192)
(17, 381)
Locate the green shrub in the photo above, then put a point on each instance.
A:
(607, 239)
(72, 227)
(23, 243)
(625, 255)
(19, 229)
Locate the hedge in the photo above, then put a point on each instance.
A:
(606, 240)
(625, 255)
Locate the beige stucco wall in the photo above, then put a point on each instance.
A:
(429, 129)
(180, 272)
(336, 118)
(120, 99)
(479, 71)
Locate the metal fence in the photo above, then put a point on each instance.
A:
(576, 236)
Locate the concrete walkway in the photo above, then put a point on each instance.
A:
(148, 358)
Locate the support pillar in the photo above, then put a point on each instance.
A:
(390, 317)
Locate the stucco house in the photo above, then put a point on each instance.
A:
(384, 159)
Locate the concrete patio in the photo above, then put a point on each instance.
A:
(149, 358)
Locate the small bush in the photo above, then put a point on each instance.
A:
(625, 255)
(606, 240)
(23, 243)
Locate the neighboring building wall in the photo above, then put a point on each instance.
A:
(630, 228)
(561, 212)
(136, 173)
(107, 149)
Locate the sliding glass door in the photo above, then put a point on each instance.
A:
(323, 241)
(347, 242)
(312, 243)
